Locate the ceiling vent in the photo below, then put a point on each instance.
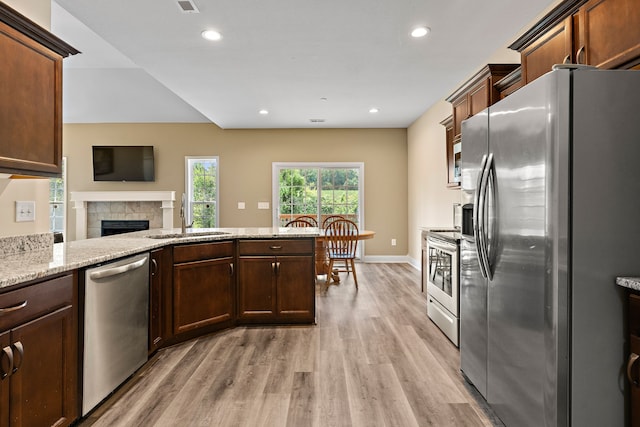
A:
(317, 120)
(188, 6)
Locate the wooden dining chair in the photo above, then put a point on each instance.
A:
(341, 236)
(328, 220)
(309, 218)
(298, 222)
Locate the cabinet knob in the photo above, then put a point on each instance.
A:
(633, 358)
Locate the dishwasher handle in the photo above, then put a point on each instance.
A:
(108, 272)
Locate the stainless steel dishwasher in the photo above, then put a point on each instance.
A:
(116, 325)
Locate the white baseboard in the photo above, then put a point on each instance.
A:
(417, 264)
(386, 258)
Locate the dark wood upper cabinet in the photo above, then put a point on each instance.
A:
(602, 33)
(473, 96)
(477, 93)
(30, 96)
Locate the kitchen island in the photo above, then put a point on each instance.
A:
(202, 281)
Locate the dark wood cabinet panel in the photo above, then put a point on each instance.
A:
(256, 288)
(295, 288)
(43, 389)
(31, 104)
(609, 33)
(460, 113)
(453, 154)
(203, 293)
(555, 47)
(276, 288)
(634, 372)
(39, 355)
(602, 33)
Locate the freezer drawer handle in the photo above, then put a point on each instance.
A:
(633, 358)
(18, 306)
(101, 274)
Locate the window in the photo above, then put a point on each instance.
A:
(319, 190)
(202, 191)
(57, 195)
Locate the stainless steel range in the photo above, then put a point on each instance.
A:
(442, 279)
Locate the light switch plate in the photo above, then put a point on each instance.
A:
(263, 205)
(25, 211)
(240, 205)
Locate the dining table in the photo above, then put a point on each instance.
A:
(322, 255)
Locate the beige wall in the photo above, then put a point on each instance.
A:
(430, 202)
(36, 189)
(246, 158)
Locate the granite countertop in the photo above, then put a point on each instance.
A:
(629, 282)
(30, 262)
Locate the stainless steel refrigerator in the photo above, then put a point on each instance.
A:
(551, 215)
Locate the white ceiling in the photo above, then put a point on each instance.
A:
(144, 60)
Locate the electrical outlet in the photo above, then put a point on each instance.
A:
(240, 205)
(25, 211)
(393, 242)
(263, 205)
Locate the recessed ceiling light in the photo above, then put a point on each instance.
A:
(263, 112)
(420, 32)
(373, 110)
(211, 35)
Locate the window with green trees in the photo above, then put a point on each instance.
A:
(56, 201)
(202, 191)
(318, 190)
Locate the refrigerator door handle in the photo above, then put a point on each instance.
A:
(483, 253)
(477, 215)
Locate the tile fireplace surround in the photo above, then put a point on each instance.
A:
(93, 206)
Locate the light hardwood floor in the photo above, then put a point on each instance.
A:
(373, 359)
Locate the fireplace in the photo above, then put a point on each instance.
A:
(93, 206)
(110, 227)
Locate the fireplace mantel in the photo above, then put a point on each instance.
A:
(80, 199)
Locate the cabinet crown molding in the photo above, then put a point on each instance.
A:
(21, 23)
(556, 15)
(483, 73)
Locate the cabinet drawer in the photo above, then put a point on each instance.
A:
(35, 301)
(276, 247)
(200, 251)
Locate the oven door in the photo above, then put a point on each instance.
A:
(442, 265)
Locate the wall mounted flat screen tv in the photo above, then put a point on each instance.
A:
(123, 163)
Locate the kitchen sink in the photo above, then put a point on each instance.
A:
(187, 234)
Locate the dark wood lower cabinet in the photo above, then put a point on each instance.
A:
(39, 356)
(276, 281)
(160, 300)
(203, 286)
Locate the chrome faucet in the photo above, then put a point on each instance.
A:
(183, 223)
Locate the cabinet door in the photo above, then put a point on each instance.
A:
(43, 388)
(460, 113)
(295, 289)
(5, 364)
(555, 47)
(635, 388)
(256, 288)
(31, 106)
(609, 32)
(202, 293)
(479, 98)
